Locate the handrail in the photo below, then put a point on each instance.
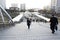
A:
(45, 18)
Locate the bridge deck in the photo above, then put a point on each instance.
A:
(38, 31)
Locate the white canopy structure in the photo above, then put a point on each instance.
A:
(40, 16)
(27, 14)
(17, 18)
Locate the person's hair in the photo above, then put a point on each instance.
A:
(52, 14)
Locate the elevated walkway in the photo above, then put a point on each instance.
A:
(37, 31)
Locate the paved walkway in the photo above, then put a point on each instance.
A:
(38, 31)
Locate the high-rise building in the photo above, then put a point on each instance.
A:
(55, 4)
(22, 6)
(14, 6)
(3, 3)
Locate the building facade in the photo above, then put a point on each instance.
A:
(14, 6)
(55, 5)
(3, 3)
(22, 7)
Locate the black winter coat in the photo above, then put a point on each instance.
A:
(54, 21)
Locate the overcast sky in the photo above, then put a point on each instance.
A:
(29, 3)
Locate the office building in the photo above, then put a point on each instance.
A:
(55, 5)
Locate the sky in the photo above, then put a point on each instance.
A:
(29, 3)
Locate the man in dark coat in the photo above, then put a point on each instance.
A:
(53, 23)
(28, 22)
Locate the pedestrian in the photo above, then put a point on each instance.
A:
(28, 22)
(53, 23)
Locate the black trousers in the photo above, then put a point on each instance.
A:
(53, 27)
(28, 25)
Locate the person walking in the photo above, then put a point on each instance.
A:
(53, 23)
(28, 22)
